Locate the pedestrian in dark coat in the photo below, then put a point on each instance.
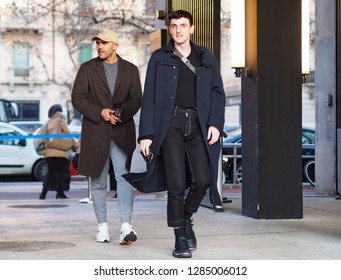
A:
(182, 117)
(96, 132)
(107, 92)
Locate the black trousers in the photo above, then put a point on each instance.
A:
(186, 163)
(58, 174)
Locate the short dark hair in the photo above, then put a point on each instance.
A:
(180, 14)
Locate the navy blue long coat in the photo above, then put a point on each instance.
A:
(159, 96)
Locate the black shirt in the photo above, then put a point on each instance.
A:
(186, 89)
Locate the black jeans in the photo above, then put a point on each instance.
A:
(58, 174)
(185, 154)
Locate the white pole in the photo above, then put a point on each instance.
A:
(89, 198)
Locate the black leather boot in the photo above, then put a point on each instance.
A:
(43, 194)
(190, 235)
(181, 249)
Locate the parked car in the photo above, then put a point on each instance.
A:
(232, 156)
(17, 153)
(29, 126)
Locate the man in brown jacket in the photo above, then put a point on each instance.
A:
(107, 92)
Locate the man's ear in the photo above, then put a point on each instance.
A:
(191, 30)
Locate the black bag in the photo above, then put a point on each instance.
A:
(152, 180)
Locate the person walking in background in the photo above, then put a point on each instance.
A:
(182, 116)
(57, 160)
(107, 92)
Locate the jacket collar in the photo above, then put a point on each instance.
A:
(196, 48)
(199, 50)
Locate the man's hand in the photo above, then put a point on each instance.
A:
(213, 135)
(108, 116)
(145, 147)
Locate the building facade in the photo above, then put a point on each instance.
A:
(42, 46)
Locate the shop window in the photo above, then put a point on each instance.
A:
(21, 60)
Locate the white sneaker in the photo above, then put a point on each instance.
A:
(127, 234)
(103, 233)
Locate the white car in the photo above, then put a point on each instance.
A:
(29, 126)
(17, 153)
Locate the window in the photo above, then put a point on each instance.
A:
(9, 142)
(84, 10)
(85, 53)
(308, 136)
(85, 3)
(21, 60)
(28, 110)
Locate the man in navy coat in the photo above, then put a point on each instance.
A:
(182, 118)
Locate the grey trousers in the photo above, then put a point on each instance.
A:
(124, 189)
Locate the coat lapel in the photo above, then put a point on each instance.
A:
(120, 76)
(101, 73)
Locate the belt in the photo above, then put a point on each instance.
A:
(184, 109)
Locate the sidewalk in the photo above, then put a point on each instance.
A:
(33, 229)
